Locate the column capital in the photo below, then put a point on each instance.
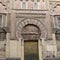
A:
(42, 39)
(20, 39)
(8, 36)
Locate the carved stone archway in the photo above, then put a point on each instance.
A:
(25, 22)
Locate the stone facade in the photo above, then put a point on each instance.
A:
(29, 20)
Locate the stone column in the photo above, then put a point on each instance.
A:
(12, 25)
(43, 47)
(11, 4)
(6, 20)
(2, 20)
(53, 21)
(43, 42)
(19, 48)
(22, 50)
(54, 43)
(40, 50)
(7, 44)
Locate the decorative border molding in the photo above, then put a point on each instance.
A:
(24, 22)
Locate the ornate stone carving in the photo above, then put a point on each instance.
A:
(38, 23)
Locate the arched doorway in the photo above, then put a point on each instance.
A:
(31, 34)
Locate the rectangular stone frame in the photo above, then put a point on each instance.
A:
(39, 47)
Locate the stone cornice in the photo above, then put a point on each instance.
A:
(29, 11)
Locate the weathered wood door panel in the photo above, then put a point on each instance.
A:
(31, 50)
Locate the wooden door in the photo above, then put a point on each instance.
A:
(31, 50)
